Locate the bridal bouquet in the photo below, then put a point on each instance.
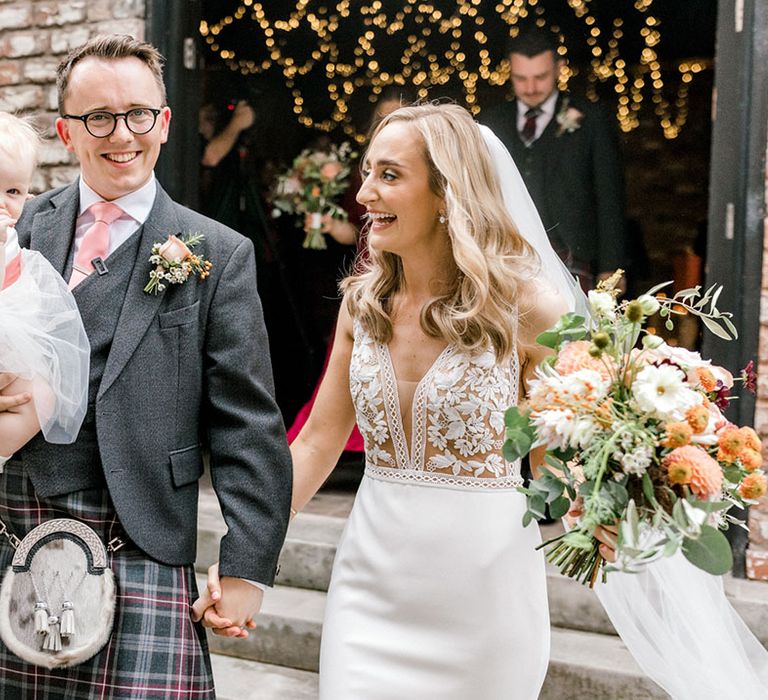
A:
(633, 427)
(311, 186)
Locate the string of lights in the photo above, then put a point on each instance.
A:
(439, 48)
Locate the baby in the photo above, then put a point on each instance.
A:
(42, 339)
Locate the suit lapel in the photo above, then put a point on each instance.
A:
(52, 230)
(139, 308)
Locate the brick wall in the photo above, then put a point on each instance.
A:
(757, 553)
(34, 37)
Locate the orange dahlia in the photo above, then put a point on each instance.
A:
(705, 379)
(750, 459)
(754, 486)
(575, 356)
(706, 478)
(730, 442)
(751, 438)
(698, 418)
(676, 434)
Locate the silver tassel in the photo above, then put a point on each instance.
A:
(41, 618)
(53, 640)
(67, 619)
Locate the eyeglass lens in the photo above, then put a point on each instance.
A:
(139, 121)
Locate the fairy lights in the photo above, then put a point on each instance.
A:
(440, 48)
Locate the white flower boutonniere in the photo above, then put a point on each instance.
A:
(174, 262)
(568, 118)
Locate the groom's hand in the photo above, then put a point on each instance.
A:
(234, 617)
(9, 402)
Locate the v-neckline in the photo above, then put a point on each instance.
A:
(406, 454)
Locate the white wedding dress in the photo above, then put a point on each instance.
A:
(437, 589)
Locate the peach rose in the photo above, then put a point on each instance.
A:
(754, 486)
(174, 249)
(706, 477)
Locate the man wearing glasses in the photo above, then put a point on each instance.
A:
(173, 373)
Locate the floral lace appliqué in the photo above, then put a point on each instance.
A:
(458, 418)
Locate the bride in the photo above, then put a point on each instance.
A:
(437, 589)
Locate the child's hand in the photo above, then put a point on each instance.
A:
(5, 222)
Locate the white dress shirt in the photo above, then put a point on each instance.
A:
(136, 207)
(545, 116)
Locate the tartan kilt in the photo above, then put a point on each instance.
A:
(155, 650)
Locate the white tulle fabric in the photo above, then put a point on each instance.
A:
(42, 339)
(678, 624)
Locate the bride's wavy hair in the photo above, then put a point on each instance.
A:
(492, 259)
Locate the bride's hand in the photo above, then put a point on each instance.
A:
(608, 535)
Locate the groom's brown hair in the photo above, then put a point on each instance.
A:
(111, 47)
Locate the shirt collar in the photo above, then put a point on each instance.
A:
(136, 204)
(547, 107)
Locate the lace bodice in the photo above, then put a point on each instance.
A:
(457, 417)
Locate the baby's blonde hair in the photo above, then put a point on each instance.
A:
(19, 139)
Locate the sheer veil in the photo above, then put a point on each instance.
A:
(674, 618)
(526, 217)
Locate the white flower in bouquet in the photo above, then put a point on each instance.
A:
(663, 392)
(602, 303)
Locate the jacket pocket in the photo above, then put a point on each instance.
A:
(186, 465)
(180, 317)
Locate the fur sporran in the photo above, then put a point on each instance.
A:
(57, 600)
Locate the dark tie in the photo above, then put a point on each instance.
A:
(528, 132)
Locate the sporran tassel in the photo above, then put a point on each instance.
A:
(67, 619)
(53, 640)
(41, 618)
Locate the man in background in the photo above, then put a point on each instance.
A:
(567, 151)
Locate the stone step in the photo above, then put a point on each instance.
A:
(583, 664)
(241, 679)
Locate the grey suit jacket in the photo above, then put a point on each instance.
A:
(188, 369)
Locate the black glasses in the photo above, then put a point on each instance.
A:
(102, 124)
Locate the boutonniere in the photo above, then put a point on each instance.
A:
(174, 262)
(569, 118)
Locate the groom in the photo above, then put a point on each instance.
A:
(173, 374)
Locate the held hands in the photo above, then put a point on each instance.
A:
(228, 605)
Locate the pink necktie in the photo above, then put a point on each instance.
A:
(95, 243)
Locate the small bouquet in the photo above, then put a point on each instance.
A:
(633, 426)
(311, 186)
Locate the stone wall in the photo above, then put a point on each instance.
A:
(34, 37)
(757, 552)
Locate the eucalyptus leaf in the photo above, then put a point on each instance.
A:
(669, 325)
(527, 518)
(658, 288)
(715, 328)
(559, 507)
(537, 507)
(710, 552)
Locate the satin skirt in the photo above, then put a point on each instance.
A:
(436, 593)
